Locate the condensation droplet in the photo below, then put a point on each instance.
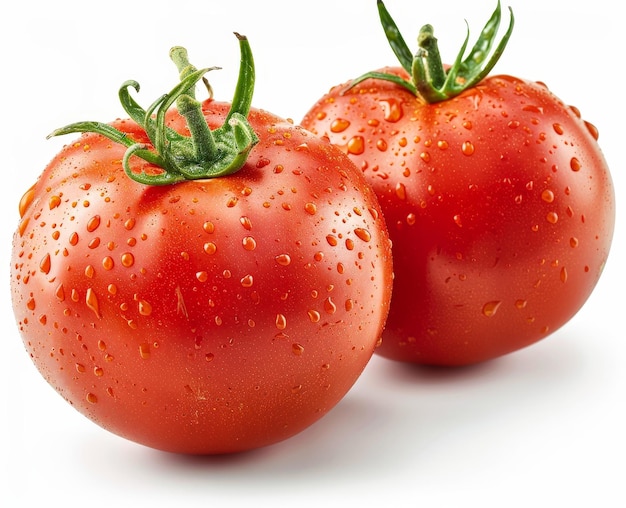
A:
(54, 202)
(91, 398)
(401, 191)
(548, 196)
(552, 217)
(363, 234)
(91, 299)
(283, 259)
(297, 349)
(563, 275)
(490, 308)
(145, 308)
(128, 259)
(558, 128)
(575, 164)
(332, 240)
(45, 264)
(339, 125)
(108, 263)
(247, 281)
(208, 227)
(249, 243)
(144, 351)
(573, 242)
(329, 306)
(93, 223)
(210, 248)
(246, 223)
(310, 208)
(281, 321)
(356, 145)
(467, 148)
(314, 316)
(392, 110)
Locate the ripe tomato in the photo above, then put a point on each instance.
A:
(498, 200)
(213, 315)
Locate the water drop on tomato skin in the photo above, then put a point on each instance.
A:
(490, 308)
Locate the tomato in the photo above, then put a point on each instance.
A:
(212, 315)
(498, 200)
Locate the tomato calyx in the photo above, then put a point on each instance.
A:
(430, 80)
(203, 154)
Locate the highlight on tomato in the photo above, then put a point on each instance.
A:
(498, 199)
(202, 277)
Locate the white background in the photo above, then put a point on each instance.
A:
(542, 427)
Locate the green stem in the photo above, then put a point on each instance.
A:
(203, 154)
(430, 81)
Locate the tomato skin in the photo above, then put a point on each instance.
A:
(212, 316)
(499, 204)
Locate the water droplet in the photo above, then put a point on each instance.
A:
(381, 144)
(575, 164)
(281, 321)
(457, 220)
(339, 125)
(60, 292)
(363, 234)
(249, 243)
(442, 144)
(573, 242)
(548, 196)
(108, 263)
(392, 109)
(332, 240)
(349, 305)
(283, 259)
(520, 304)
(208, 227)
(73, 239)
(54, 202)
(90, 271)
(296, 389)
(202, 276)
(329, 306)
(593, 130)
(145, 309)
(93, 223)
(210, 248)
(297, 349)
(209, 357)
(128, 259)
(144, 351)
(490, 308)
(91, 299)
(401, 191)
(45, 264)
(314, 316)
(91, 398)
(310, 208)
(247, 281)
(558, 128)
(356, 145)
(26, 200)
(80, 368)
(246, 223)
(467, 148)
(552, 217)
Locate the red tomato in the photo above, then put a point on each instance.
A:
(211, 316)
(498, 200)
